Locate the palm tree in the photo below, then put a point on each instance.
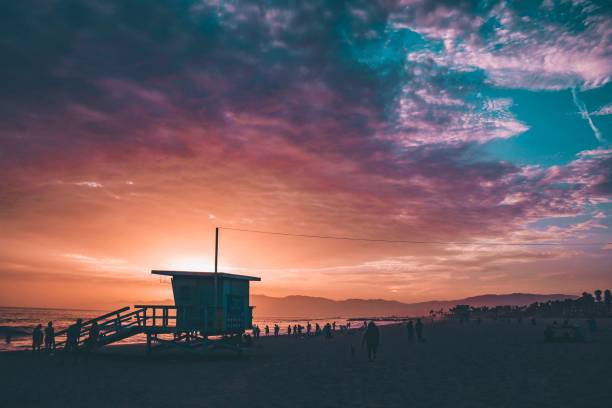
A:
(598, 294)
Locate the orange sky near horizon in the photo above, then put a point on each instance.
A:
(91, 242)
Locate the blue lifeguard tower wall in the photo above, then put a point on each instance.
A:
(198, 308)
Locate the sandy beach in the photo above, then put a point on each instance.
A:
(461, 365)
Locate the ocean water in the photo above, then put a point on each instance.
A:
(21, 321)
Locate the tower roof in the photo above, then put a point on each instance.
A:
(207, 275)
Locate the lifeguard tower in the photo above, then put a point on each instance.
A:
(211, 303)
(206, 304)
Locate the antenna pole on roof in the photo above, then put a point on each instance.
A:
(216, 296)
(216, 247)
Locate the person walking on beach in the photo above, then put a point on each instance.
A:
(37, 338)
(308, 328)
(49, 338)
(419, 330)
(371, 338)
(276, 330)
(289, 330)
(267, 330)
(410, 330)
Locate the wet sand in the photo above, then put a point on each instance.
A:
(492, 365)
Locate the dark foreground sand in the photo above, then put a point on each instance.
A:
(492, 365)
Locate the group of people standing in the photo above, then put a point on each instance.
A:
(73, 338)
(417, 327)
(297, 330)
(47, 336)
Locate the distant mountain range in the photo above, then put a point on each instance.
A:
(307, 306)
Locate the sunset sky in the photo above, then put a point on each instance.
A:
(129, 130)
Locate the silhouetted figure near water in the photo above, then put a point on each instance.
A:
(73, 335)
(267, 330)
(295, 331)
(410, 331)
(308, 328)
(317, 329)
(371, 338)
(94, 335)
(289, 330)
(49, 338)
(37, 338)
(334, 326)
(276, 330)
(327, 330)
(419, 330)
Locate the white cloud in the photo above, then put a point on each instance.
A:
(90, 184)
(603, 111)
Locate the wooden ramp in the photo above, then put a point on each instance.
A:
(152, 321)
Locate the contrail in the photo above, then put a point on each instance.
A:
(585, 115)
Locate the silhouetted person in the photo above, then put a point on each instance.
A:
(94, 334)
(371, 338)
(317, 329)
(410, 331)
(49, 338)
(327, 330)
(73, 335)
(295, 331)
(334, 326)
(419, 330)
(289, 330)
(267, 330)
(37, 338)
(276, 330)
(308, 328)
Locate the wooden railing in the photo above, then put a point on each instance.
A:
(156, 315)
